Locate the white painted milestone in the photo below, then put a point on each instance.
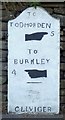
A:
(33, 62)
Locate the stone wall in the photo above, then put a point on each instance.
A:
(11, 11)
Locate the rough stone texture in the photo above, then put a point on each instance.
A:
(54, 5)
(59, 11)
(3, 88)
(3, 45)
(62, 38)
(62, 84)
(3, 66)
(61, 17)
(49, 10)
(62, 99)
(62, 92)
(3, 80)
(4, 26)
(3, 54)
(36, 117)
(62, 66)
(0, 7)
(3, 34)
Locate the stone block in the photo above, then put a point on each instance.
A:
(1, 7)
(59, 10)
(62, 74)
(63, 110)
(49, 10)
(4, 97)
(3, 34)
(3, 88)
(63, 99)
(62, 84)
(4, 26)
(62, 59)
(6, 16)
(61, 33)
(63, 53)
(3, 73)
(0, 107)
(3, 66)
(62, 66)
(4, 59)
(4, 107)
(3, 54)
(53, 5)
(3, 45)
(62, 38)
(62, 45)
(32, 117)
(3, 80)
(61, 17)
(62, 92)
(0, 25)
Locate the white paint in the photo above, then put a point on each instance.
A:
(32, 97)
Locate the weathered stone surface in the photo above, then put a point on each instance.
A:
(1, 7)
(0, 73)
(0, 109)
(62, 74)
(64, 21)
(61, 17)
(3, 34)
(62, 38)
(63, 53)
(64, 29)
(0, 53)
(3, 88)
(49, 10)
(62, 66)
(0, 88)
(6, 15)
(4, 107)
(63, 109)
(62, 92)
(32, 117)
(4, 73)
(3, 54)
(59, 10)
(4, 59)
(63, 45)
(61, 33)
(62, 59)
(3, 80)
(53, 5)
(3, 66)
(0, 26)
(4, 97)
(3, 45)
(62, 99)
(63, 84)
(4, 26)
(0, 96)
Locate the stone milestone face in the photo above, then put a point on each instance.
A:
(33, 62)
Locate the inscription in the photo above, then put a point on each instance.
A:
(32, 61)
(32, 109)
(31, 25)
